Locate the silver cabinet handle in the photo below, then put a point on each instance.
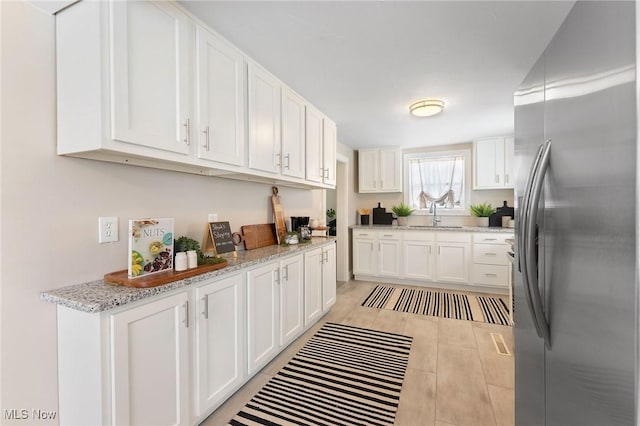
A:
(429, 249)
(326, 175)
(506, 178)
(490, 239)
(278, 160)
(277, 271)
(206, 138)
(186, 314)
(379, 246)
(326, 256)
(286, 270)
(321, 172)
(490, 254)
(490, 275)
(387, 235)
(497, 178)
(187, 127)
(205, 311)
(530, 242)
(364, 235)
(287, 161)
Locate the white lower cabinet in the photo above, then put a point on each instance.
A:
(312, 285)
(490, 263)
(389, 254)
(453, 257)
(150, 367)
(319, 282)
(291, 299)
(275, 309)
(377, 253)
(263, 306)
(328, 277)
(172, 359)
(419, 255)
(220, 366)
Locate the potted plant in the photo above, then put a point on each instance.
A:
(482, 212)
(402, 212)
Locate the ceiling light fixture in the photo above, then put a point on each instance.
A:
(427, 107)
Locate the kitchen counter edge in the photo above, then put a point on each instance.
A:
(96, 296)
(495, 229)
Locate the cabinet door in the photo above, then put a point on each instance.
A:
(151, 75)
(328, 277)
(391, 170)
(291, 299)
(389, 258)
(262, 315)
(329, 141)
(312, 285)
(488, 163)
(293, 134)
(419, 260)
(220, 332)
(314, 170)
(150, 365)
(509, 172)
(220, 92)
(453, 262)
(264, 120)
(368, 175)
(364, 257)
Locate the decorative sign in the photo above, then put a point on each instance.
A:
(218, 238)
(150, 246)
(278, 215)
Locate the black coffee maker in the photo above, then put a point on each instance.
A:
(298, 221)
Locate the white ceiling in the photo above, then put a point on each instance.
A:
(362, 63)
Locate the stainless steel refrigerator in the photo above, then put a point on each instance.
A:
(576, 268)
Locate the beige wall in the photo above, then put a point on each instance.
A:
(50, 206)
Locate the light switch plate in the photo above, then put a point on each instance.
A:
(107, 229)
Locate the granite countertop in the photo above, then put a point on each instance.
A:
(439, 228)
(96, 296)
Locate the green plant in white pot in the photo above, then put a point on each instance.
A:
(482, 212)
(402, 211)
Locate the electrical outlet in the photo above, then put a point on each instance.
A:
(107, 229)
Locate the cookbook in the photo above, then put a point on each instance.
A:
(150, 246)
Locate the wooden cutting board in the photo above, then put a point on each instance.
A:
(278, 215)
(256, 236)
(161, 278)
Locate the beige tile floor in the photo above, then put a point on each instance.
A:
(455, 375)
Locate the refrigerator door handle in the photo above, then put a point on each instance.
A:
(530, 242)
(522, 241)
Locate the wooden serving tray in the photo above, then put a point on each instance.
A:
(160, 278)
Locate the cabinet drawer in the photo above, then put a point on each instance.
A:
(491, 238)
(490, 254)
(496, 275)
(419, 236)
(453, 237)
(364, 233)
(389, 235)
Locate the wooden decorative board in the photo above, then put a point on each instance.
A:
(256, 236)
(160, 278)
(278, 216)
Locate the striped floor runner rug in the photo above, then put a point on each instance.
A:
(343, 375)
(493, 310)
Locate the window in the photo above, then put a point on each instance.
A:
(440, 178)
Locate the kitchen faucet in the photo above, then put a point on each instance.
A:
(433, 210)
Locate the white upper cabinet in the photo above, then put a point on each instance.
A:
(493, 163)
(151, 75)
(141, 83)
(221, 104)
(293, 134)
(264, 120)
(329, 143)
(314, 169)
(380, 170)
